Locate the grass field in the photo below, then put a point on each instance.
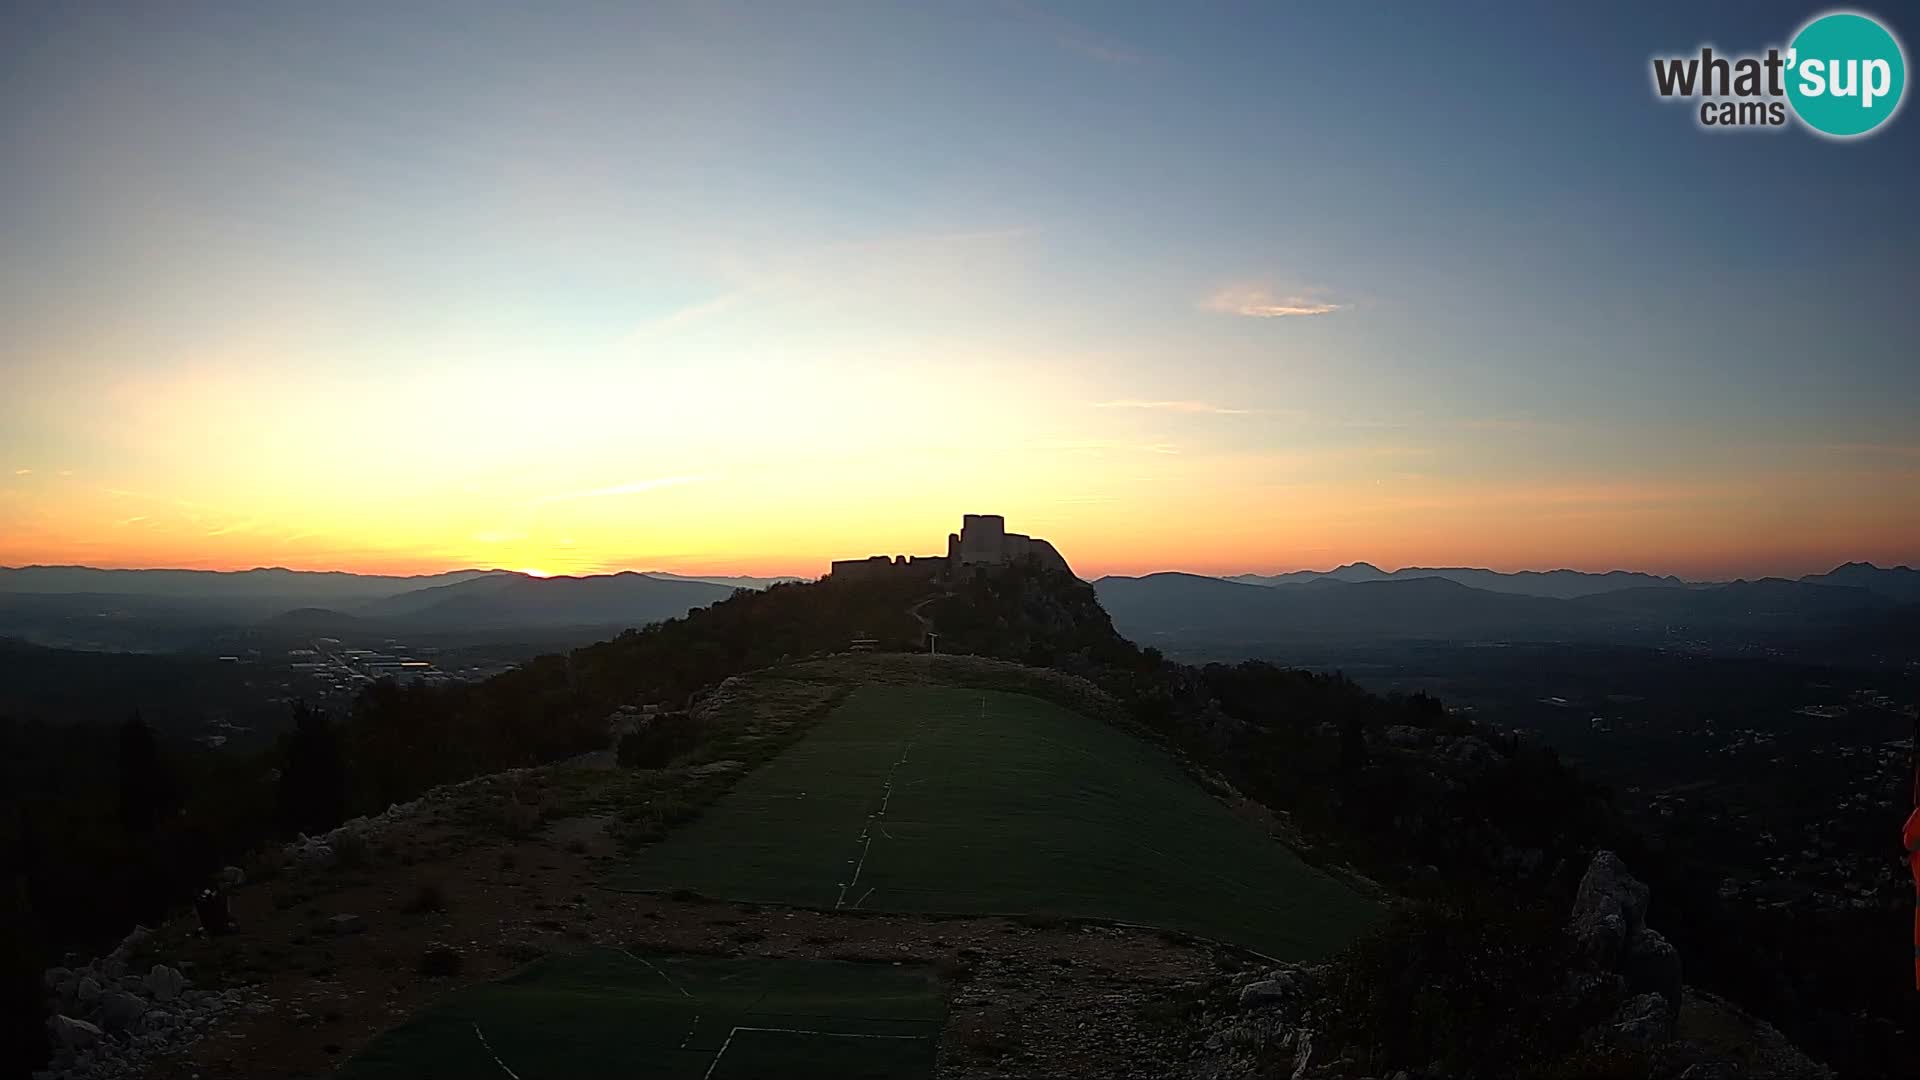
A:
(609, 1013)
(969, 801)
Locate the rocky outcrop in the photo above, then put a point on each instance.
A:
(1644, 1021)
(1618, 950)
(1609, 908)
(107, 1022)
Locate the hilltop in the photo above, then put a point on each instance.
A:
(662, 730)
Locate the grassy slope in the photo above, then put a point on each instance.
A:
(606, 1013)
(999, 803)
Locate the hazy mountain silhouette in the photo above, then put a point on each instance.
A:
(272, 584)
(1189, 607)
(415, 601)
(737, 582)
(1898, 582)
(1561, 584)
(520, 600)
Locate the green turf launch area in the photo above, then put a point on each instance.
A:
(609, 1013)
(982, 802)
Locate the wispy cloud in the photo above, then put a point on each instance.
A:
(1258, 301)
(1074, 37)
(676, 321)
(23, 472)
(1175, 406)
(1890, 449)
(634, 488)
(1512, 423)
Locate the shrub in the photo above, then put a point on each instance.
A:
(428, 896)
(439, 961)
(350, 851)
(665, 737)
(516, 820)
(1476, 982)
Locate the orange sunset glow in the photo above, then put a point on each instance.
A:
(609, 322)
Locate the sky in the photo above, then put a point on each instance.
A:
(745, 287)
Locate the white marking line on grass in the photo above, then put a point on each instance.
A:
(795, 1031)
(657, 971)
(866, 832)
(863, 897)
(683, 993)
(478, 1034)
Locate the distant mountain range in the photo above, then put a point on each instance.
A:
(271, 584)
(732, 582)
(520, 600)
(1560, 584)
(77, 603)
(1361, 601)
(1899, 582)
(161, 608)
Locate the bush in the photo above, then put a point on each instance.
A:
(1473, 983)
(649, 822)
(429, 896)
(350, 851)
(665, 737)
(516, 820)
(440, 961)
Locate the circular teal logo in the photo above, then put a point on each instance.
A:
(1845, 74)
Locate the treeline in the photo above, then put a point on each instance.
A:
(103, 828)
(176, 694)
(1473, 816)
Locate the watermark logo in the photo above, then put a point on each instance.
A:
(1843, 74)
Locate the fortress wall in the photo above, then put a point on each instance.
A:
(883, 567)
(983, 540)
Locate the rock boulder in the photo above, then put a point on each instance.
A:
(1609, 910)
(120, 1010)
(165, 983)
(72, 1035)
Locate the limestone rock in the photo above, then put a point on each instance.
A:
(70, 1034)
(1652, 965)
(1609, 910)
(120, 1010)
(1644, 1021)
(165, 983)
(1268, 992)
(345, 923)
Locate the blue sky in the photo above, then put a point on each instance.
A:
(1028, 256)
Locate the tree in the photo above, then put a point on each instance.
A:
(23, 1043)
(1353, 745)
(148, 793)
(313, 779)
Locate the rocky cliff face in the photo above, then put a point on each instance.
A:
(1614, 1006)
